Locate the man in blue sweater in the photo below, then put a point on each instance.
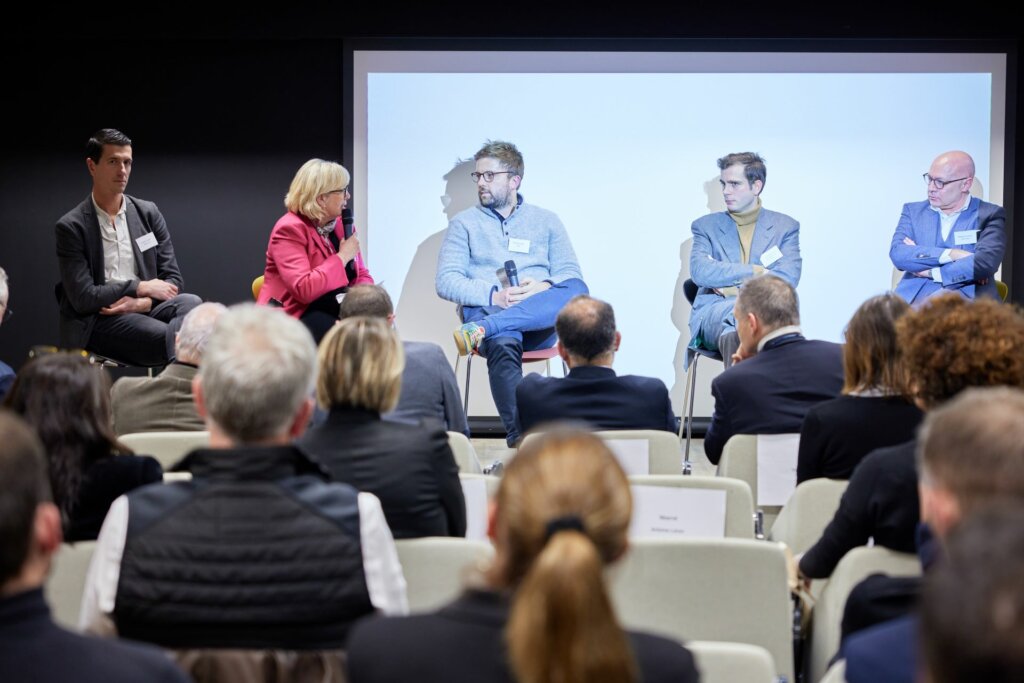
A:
(501, 320)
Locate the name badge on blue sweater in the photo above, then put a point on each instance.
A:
(965, 237)
(519, 246)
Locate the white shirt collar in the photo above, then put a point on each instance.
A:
(775, 334)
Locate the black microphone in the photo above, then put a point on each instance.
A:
(511, 273)
(348, 227)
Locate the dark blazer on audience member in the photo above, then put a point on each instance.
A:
(881, 502)
(410, 468)
(596, 395)
(771, 392)
(429, 389)
(33, 648)
(837, 434)
(105, 481)
(464, 641)
(886, 653)
(156, 404)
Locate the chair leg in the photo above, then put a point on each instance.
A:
(465, 401)
(689, 393)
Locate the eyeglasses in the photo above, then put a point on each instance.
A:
(486, 175)
(343, 191)
(939, 184)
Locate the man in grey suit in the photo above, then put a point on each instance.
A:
(734, 245)
(164, 403)
(429, 388)
(120, 293)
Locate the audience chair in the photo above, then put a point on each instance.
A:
(663, 450)
(465, 455)
(720, 662)
(436, 568)
(804, 518)
(739, 461)
(827, 617)
(727, 589)
(476, 507)
(66, 583)
(739, 504)
(690, 383)
(836, 673)
(167, 447)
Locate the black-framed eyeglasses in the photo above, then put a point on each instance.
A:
(486, 175)
(939, 184)
(343, 191)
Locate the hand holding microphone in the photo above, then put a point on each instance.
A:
(348, 249)
(518, 291)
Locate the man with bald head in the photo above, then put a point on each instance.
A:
(951, 242)
(592, 392)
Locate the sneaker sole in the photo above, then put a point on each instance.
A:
(461, 342)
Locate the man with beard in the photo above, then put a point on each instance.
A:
(502, 319)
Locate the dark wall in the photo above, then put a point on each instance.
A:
(224, 105)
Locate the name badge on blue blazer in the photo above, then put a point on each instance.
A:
(965, 237)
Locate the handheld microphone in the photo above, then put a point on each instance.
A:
(511, 273)
(348, 227)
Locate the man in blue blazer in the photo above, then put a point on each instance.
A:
(951, 241)
(733, 246)
(592, 392)
(777, 375)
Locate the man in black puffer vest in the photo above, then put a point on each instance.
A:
(259, 550)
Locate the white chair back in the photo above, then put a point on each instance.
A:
(855, 566)
(436, 569)
(725, 589)
(465, 454)
(664, 450)
(739, 505)
(478, 490)
(739, 461)
(167, 447)
(808, 512)
(720, 662)
(836, 674)
(66, 582)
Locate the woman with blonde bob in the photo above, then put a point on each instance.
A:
(561, 516)
(410, 468)
(874, 410)
(309, 260)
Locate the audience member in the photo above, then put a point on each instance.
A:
(164, 403)
(67, 401)
(32, 647)
(873, 411)
(6, 371)
(592, 392)
(778, 375)
(948, 344)
(970, 456)
(258, 550)
(410, 468)
(310, 261)
(429, 389)
(120, 290)
(561, 515)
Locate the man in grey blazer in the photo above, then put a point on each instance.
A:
(120, 290)
(429, 388)
(164, 403)
(732, 246)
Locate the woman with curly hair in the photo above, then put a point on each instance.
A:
(67, 401)
(948, 344)
(833, 438)
(561, 516)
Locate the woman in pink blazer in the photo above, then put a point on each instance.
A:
(309, 260)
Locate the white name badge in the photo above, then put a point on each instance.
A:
(771, 256)
(147, 241)
(965, 237)
(519, 246)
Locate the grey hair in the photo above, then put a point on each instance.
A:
(771, 299)
(196, 329)
(3, 285)
(258, 368)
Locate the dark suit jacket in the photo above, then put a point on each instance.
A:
(410, 468)
(881, 502)
(464, 641)
(83, 288)
(33, 648)
(886, 653)
(772, 392)
(156, 404)
(596, 395)
(429, 389)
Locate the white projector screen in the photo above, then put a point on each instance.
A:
(622, 146)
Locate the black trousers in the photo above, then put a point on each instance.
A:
(145, 339)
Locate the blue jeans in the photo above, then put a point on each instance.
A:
(528, 325)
